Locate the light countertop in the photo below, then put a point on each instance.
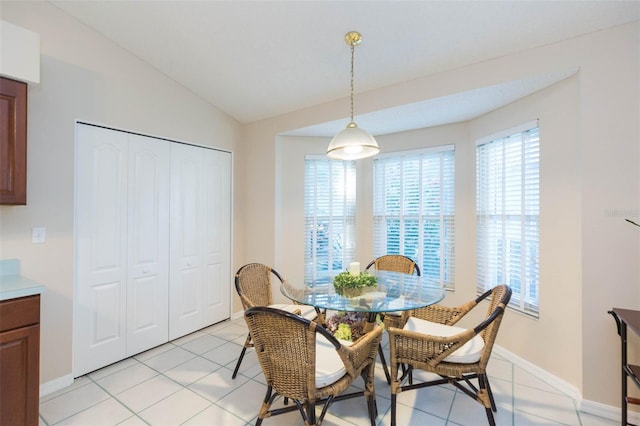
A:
(14, 285)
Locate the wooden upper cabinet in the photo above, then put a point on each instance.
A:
(13, 142)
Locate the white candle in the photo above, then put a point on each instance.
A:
(354, 268)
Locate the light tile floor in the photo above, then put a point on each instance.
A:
(188, 382)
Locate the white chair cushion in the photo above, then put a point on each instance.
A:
(329, 366)
(467, 354)
(306, 311)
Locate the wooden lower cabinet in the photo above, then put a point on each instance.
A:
(20, 360)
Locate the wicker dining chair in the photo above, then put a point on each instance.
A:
(393, 263)
(432, 343)
(253, 284)
(303, 362)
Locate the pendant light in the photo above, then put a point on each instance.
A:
(353, 142)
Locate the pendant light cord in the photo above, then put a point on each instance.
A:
(353, 48)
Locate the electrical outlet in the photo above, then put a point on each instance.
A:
(38, 234)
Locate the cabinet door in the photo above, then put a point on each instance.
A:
(19, 370)
(185, 292)
(13, 142)
(148, 243)
(217, 233)
(101, 248)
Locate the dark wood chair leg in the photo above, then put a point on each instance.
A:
(244, 349)
(482, 381)
(311, 412)
(384, 364)
(393, 409)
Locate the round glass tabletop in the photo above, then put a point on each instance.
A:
(393, 292)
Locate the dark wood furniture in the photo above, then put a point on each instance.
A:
(20, 360)
(627, 318)
(13, 142)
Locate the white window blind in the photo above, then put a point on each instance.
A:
(414, 209)
(508, 210)
(329, 211)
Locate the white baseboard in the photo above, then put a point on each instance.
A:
(56, 385)
(607, 411)
(236, 315)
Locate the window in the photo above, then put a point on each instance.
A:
(414, 209)
(508, 211)
(329, 211)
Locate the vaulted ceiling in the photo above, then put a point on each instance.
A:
(260, 59)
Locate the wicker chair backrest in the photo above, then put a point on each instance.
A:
(285, 346)
(500, 296)
(253, 284)
(395, 263)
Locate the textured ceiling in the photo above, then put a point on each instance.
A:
(260, 59)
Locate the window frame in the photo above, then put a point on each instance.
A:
(516, 233)
(423, 215)
(342, 217)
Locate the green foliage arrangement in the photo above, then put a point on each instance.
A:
(345, 280)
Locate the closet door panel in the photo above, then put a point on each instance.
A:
(217, 219)
(106, 309)
(148, 243)
(101, 259)
(185, 306)
(152, 243)
(215, 303)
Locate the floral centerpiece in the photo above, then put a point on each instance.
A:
(346, 325)
(349, 284)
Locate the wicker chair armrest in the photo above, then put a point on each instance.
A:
(444, 314)
(408, 345)
(362, 352)
(497, 312)
(394, 320)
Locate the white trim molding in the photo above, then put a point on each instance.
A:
(608, 412)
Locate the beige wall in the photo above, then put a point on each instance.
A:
(560, 233)
(559, 325)
(589, 174)
(85, 77)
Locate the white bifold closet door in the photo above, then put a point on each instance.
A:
(122, 246)
(199, 293)
(152, 243)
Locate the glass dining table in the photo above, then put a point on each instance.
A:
(393, 292)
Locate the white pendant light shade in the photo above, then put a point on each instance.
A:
(352, 143)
